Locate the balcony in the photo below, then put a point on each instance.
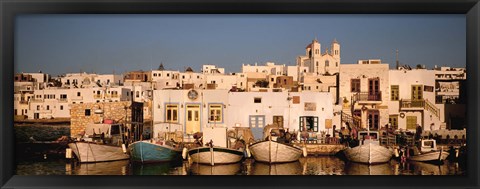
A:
(368, 98)
(408, 104)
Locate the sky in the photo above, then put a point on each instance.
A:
(59, 44)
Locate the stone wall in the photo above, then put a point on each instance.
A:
(111, 110)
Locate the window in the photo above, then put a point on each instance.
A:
(310, 123)
(215, 113)
(155, 75)
(183, 77)
(417, 92)
(393, 120)
(171, 113)
(355, 85)
(336, 64)
(272, 79)
(137, 94)
(78, 94)
(87, 112)
(257, 100)
(168, 75)
(317, 63)
(63, 96)
(257, 121)
(394, 92)
(327, 63)
(48, 107)
(38, 107)
(61, 107)
(166, 83)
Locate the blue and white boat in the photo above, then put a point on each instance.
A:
(152, 151)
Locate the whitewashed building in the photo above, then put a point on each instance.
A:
(364, 93)
(191, 111)
(320, 63)
(412, 100)
(212, 69)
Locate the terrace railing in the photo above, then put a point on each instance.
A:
(366, 96)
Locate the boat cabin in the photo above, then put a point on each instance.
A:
(367, 137)
(107, 133)
(428, 145)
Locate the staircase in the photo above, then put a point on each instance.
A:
(432, 108)
(348, 117)
(353, 121)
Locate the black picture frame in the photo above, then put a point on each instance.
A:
(10, 8)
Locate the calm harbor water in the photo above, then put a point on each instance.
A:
(325, 165)
(37, 164)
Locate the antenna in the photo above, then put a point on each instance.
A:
(398, 64)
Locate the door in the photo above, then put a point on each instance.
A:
(257, 122)
(417, 92)
(278, 120)
(373, 89)
(373, 119)
(36, 116)
(192, 119)
(411, 122)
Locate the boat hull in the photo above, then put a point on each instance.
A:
(147, 152)
(88, 152)
(368, 154)
(274, 152)
(430, 156)
(215, 155)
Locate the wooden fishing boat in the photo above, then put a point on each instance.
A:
(274, 152)
(213, 155)
(95, 147)
(223, 152)
(428, 152)
(275, 148)
(369, 151)
(152, 151)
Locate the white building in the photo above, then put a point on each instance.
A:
(412, 100)
(364, 90)
(269, 68)
(212, 69)
(217, 81)
(320, 63)
(55, 102)
(192, 110)
(85, 80)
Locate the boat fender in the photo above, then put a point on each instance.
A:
(184, 153)
(68, 153)
(304, 149)
(396, 152)
(248, 152)
(124, 148)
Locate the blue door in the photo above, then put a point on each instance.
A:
(257, 122)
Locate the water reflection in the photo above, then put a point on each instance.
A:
(165, 168)
(352, 168)
(293, 168)
(101, 168)
(323, 165)
(228, 169)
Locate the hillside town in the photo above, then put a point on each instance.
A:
(319, 87)
(272, 112)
